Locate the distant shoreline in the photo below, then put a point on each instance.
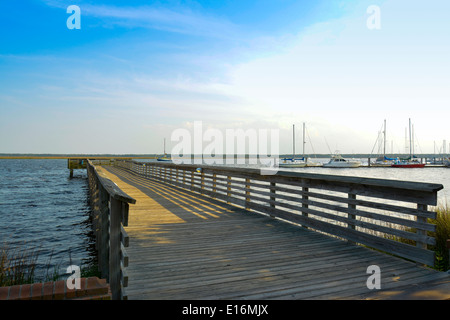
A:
(155, 156)
(100, 157)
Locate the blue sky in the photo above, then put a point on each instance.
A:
(138, 70)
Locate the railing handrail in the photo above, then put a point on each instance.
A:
(113, 189)
(291, 196)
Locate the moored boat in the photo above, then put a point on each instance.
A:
(410, 162)
(292, 163)
(337, 161)
(408, 165)
(164, 157)
(382, 162)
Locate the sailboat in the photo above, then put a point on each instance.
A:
(410, 163)
(164, 157)
(383, 161)
(293, 162)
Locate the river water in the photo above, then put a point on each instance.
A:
(42, 208)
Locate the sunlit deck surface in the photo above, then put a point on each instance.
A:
(187, 246)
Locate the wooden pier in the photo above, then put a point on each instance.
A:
(182, 232)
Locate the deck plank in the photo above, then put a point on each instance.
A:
(186, 246)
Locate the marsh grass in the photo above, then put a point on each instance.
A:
(18, 266)
(441, 235)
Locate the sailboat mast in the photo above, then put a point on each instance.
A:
(410, 141)
(293, 141)
(304, 140)
(384, 150)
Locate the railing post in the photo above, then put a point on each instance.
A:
(247, 193)
(305, 198)
(214, 189)
(228, 188)
(420, 244)
(351, 196)
(103, 252)
(114, 247)
(124, 242)
(202, 181)
(272, 197)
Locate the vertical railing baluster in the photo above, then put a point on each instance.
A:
(214, 186)
(305, 198)
(421, 232)
(273, 192)
(247, 193)
(228, 188)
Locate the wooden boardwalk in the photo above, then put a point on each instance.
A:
(187, 246)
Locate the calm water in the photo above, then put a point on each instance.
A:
(42, 208)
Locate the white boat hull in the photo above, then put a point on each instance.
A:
(338, 162)
(292, 165)
(342, 165)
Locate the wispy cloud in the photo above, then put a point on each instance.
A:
(180, 20)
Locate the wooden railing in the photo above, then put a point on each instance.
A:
(109, 215)
(388, 215)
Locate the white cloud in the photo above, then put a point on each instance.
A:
(346, 79)
(182, 20)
